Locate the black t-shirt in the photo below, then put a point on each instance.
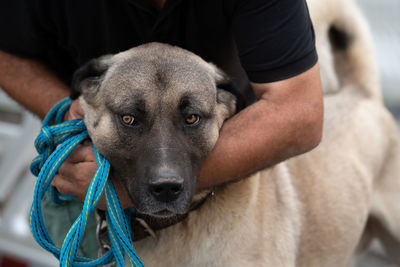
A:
(264, 40)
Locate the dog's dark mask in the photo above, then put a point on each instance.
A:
(155, 112)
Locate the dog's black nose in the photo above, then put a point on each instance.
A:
(166, 188)
(166, 192)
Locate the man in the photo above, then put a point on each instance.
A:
(270, 42)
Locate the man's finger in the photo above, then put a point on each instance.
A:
(82, 153)
(63, 185)
(80, 173)
(74, 112)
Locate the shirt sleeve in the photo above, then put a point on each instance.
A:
(275, 38)
(19, 29)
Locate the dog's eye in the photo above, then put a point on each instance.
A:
(192, 119)
(128, 120)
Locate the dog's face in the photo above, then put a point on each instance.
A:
(154, 112)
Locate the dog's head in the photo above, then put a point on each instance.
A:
(154, 112)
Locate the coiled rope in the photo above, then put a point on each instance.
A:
(55, 142)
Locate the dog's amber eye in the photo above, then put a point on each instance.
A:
(128, 120)
(192, 119)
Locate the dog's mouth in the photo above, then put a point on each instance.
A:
(149, 207)
(164, 213)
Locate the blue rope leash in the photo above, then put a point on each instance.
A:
(55, 142)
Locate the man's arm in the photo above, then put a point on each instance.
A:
(285, 121)
(31, 83)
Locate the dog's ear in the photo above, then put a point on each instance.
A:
(229, 98)
(87, 79)
(227, 86)
(224, 83)
(226, 105)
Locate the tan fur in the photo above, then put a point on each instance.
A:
(310, 210)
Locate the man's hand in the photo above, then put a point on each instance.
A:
(76, 173)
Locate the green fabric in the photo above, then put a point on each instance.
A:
(59, 218)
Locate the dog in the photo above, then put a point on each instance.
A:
(155, 112)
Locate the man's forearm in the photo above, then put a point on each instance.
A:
(30, 83)
(286, 121)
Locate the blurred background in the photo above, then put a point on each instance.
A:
(18, 130)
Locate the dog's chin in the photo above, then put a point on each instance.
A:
(161, 210)
(161, 213)
(165, 214)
